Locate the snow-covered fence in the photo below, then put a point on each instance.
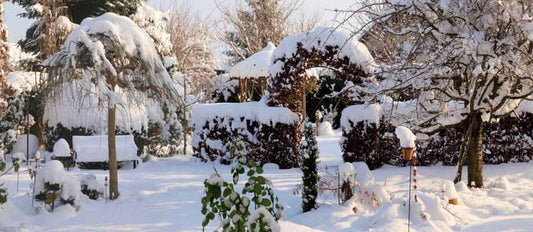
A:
(270, 131)
(93, 149)
(368, 136)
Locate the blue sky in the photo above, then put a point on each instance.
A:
(206, 8)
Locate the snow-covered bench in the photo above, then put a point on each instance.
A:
(93, 149)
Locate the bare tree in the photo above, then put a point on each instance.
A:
(469, 62)
(190, 40)
(252, 25)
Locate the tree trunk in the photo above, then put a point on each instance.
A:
(475, 153)
(112, 147)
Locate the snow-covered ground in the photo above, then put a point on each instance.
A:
(164, 195)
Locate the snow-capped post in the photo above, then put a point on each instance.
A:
(407, 142)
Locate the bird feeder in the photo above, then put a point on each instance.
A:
(407, 153)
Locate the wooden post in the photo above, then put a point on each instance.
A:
(112, 148)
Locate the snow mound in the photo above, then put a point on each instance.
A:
(71, 190)
(347, 173)
(501, 183)
(61, 148)
(364, 175)
(21, 145)
(325, 129)
(360, 113)
(461, 187)
(254, 66)
(406, 136)
(450, 190)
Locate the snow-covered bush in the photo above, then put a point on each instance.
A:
(347, 176)
(270, 132)
(360, 130)
(222, 199)
(53, 184)
(91, 187)
(507, 140)
(61, 148)
(310, 177)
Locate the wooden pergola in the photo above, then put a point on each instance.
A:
(252, 74)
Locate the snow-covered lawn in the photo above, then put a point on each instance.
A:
(164, 195)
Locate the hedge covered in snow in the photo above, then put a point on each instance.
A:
(270, 131)
(368, 136)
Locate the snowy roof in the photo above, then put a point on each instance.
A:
(254, 66)
(94, 148)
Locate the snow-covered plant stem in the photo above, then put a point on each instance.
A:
(308, 165)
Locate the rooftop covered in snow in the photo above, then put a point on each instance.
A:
(254, 66)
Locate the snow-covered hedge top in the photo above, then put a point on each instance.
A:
(359, 113)
(254, 66)
(21, 81)
(406, 136)
(319, 38)
(255, 111)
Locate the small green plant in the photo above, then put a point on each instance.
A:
(222, 199)
(309, 161)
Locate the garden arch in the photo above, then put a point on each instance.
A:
(323, 47)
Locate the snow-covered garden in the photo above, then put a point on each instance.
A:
(401, 115)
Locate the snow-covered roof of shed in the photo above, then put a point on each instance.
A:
(254, 66)
(320, 38)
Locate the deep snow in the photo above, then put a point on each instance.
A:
(164, 195)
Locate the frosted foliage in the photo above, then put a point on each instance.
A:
(155, 23)
(406, 136)
(61, 148)
(113, 47)
(480, 56)
(263, 215)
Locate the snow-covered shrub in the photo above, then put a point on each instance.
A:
(62, 148)
(360, 134)
(347, 176)
(53, 184)
(270, 132)
(310, 177)
(91, 187)
(222, 199)
(508, 140)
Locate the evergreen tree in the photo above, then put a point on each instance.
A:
(4, 57)
(308, 165)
